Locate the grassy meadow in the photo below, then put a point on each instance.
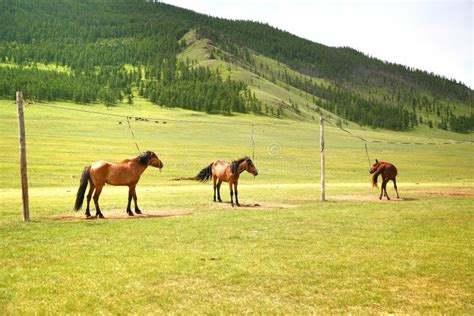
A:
(283, 252)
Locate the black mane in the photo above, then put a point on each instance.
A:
(145, 157)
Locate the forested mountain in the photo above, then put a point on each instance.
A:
(108, 50)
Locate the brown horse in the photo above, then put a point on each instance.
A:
(388, 172)
(222, 171)
(127, 173)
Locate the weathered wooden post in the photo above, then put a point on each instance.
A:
(24, 178)
(323, 165)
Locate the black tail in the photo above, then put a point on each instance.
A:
(82, 188)
(205, 174)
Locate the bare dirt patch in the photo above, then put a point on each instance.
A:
(115, 214)
(459, 193)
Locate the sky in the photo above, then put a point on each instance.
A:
(432, 35)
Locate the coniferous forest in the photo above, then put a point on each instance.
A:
(108, 50)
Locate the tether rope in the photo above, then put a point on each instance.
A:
(164, 121)
(133, 135)
(253, 145)
(450, 142)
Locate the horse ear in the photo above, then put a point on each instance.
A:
(376, 161)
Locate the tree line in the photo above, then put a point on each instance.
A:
(343, 65)
(115, 46)
(177, 83)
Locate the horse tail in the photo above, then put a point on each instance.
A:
(376, 175)
(205, 173)
(82, 188)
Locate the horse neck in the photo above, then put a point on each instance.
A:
(380, 170)
(381, 167)
(241, 168)
(141, 167)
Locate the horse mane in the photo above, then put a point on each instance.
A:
(234, 165)
(144, 158)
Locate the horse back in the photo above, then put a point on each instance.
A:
(100, 166)
(390, 170)
(221, 169)
(113, 173)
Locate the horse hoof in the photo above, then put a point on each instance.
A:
(238, 205)
(130, 214)
(100, 215)
(138, 212)
(220, 201)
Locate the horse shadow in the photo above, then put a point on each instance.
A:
(407, 199)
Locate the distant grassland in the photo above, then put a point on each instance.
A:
(285, 150)
(291, 254)
(40, 66)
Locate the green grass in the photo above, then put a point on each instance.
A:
(293, 254)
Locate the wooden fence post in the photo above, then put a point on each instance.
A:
(24, 178)
(253, 145)
(323, 165)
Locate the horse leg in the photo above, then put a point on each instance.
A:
(385, 189)
(137, 210)
(219, 190)
(214, 180)
(89, 196)
(381, 189)
(231, 194)
(395, 186)
(98, 190)
(236, 194)
(130, 195)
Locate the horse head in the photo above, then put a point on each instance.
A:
(250, 167)
(374, 167)
(151, 159)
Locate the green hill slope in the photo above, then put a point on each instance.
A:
(179, 58)
(277, 98)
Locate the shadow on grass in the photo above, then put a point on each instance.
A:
(253, 206)
(368, 198)
(115, 216)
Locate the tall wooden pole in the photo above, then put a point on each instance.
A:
(24, 178)
(253, 146)
(323, 164)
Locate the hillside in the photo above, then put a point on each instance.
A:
(108, 51)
